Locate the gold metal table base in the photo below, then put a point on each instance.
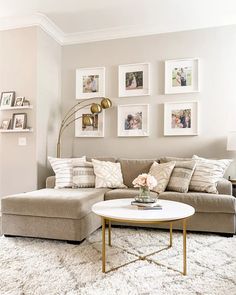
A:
(143, 257)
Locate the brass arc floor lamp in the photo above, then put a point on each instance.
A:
(87, 120)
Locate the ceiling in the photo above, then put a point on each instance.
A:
(78, 21)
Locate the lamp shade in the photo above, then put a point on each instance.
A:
(231, 141)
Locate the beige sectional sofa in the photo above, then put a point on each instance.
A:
(65, 214)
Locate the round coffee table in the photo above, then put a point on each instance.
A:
(122, 211)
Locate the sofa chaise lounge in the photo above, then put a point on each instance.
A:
(65, 214)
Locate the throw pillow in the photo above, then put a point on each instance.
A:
(207, 173)
(83, 175)
(62, 168)
(108, 174)
(181, 176)
(162, 173)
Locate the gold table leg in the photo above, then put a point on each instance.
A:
(109, 233)
(103, 245)
(184, 248)
(171, 227)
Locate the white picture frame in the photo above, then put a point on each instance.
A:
(90, 82)
(133, 120)
(134, 79)
(89, 131)
(181, 118)
(182, 76)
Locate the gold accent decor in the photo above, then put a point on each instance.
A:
(70, 115)
(143, 257)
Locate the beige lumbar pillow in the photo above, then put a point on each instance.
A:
(108, 174)
(162, 173)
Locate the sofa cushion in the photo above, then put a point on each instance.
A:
(203, 202)
(131, 168)
(64, 203)
(124, 193)
(110, 159)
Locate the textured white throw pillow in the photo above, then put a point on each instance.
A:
(207, 173)
(162, 173)
(83, 175)
(108, 174)
(63, 169)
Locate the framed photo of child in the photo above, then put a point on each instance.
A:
(133, 120)
(7, 99)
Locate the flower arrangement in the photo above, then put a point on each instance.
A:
(145, 180)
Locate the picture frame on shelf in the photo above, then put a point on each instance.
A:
(19, 121)
(96, 130)
(181, 118)
(90, 82)
(26, 103)
(133, 120)
(19, 101)
(7, 99)
(5, 125)
(182, 76)
(134, 79)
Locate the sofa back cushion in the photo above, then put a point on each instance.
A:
(131, 168)
(109, 159)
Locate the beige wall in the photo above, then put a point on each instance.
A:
(30, 64)
(48, 102)
(18, 72)
(216, 49)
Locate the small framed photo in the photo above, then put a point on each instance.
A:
(19, 101)
(90, 82)
(7, 99)
(133, 120)
(182, 76)
(6, 124)
(181, 118)
(96, 130)
(134, 79)
(19, 121)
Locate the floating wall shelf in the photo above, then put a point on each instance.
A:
(15, 108)
(15, 131)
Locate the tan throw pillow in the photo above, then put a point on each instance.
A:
(162, 173)
(108, 174)
(181, 176)
(63, 169)
(207, 173)
(83, 175)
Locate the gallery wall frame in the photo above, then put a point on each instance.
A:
(134, 79)
(90, 82)
(96, 130)
(181, 118)
(133, 120)
(182, 75)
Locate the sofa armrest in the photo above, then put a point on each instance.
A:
(224, 187)
(50, 182)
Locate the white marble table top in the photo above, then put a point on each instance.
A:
(122, 210)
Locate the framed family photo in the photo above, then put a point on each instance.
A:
(19, 121)
(134, 80)
(5, 125)
(90, 82)
(181, 118)
(95, 130)
(19, 101)
(133, 120)
(7, 99)
(182, 76)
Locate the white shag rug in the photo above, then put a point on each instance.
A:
(43, 267)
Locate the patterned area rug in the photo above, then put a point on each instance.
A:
(34, 266)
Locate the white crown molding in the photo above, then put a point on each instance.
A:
(62, 38)
(37, 19)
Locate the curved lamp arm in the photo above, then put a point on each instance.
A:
(105, 103)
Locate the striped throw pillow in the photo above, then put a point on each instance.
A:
(181, 176)
(63, 169)
(83, 175)
(207, 173)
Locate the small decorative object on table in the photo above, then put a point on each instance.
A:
(145, 182)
